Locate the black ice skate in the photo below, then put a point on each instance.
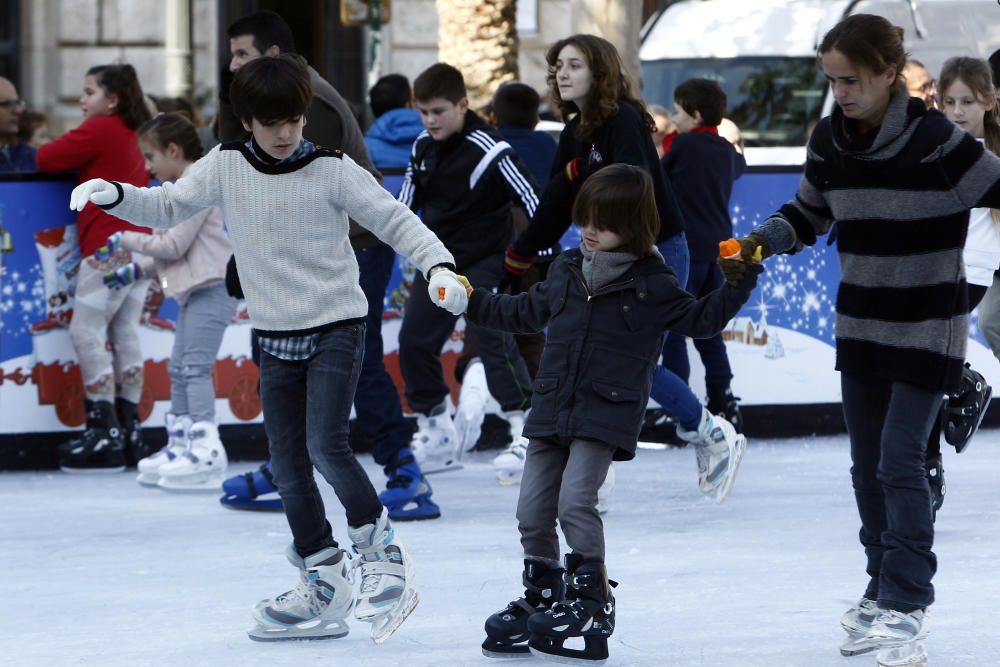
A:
(935, 479)
(507, 630)
(136, 448)
(722, 402)
(963, 411)
(588, 611)
(100, 448)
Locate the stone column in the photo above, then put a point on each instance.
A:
(179, 72)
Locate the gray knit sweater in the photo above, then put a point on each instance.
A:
(288, 224)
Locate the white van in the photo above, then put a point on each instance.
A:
(763, 53)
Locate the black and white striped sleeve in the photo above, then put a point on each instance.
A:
(408, 194)
(509, 168)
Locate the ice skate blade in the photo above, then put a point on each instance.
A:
(92, 471)
(565, 659)
(432, 469)
(171, 486)
(414, 517)
(724, 489)
(911, 654)
(149, 479)
(519, 652)
(251, 505)
(330, 629)
(384, 625)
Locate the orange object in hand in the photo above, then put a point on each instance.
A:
(441, 291)
(729, 249)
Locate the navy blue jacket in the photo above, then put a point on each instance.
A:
(18, 157)
(702, 169)
(536, 148)
(596, 371)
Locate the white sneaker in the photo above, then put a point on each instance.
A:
(891, 629)
(177, 444)
(202, 467)
(472, 405)
(718, 450)
(435, 444)
(509, 464)
(318, 605)
(386, 596)
(604, 492)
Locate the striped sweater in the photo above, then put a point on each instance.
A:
(900, 199)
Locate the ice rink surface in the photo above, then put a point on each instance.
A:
(99, 571)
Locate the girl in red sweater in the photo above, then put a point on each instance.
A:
(104, 146)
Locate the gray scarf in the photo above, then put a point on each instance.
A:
(601, 267)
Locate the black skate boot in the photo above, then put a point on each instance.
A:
(935, 478)
(128, 417)
(963, 411)
(507, 630)
(588, 611)
(658, 425)
(722, 402)
(100, 448)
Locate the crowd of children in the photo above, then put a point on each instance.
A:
(649, 191)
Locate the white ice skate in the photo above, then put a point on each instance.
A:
(858, 620)
(317, 607)
(474, 401)
(435, 444)
(891, 629)
(604, 492)
(509, 464)
(201, 468)
(718, 450)
(387, 596)
(177, 444)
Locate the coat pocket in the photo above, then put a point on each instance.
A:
(543, 398)
(617, 406)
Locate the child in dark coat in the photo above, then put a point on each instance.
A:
(606, 306)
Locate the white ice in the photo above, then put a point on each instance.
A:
(96, 570)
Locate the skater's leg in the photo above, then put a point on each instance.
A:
(908, 563)
(88, 330)
(331, 378)
(175, 367)
(538, 502)
(424, 331)
(989, 316)
(208, 312)
(586, 468)
(705, 279)
(123, 332)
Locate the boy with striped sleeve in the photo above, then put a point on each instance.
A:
(466, 179)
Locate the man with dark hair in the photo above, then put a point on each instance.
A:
(515, 106)
(397, 123)
(330, 123)
(15, 155)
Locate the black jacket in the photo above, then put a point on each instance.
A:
(702, 169)
(465, 186)
(596, 371)
(624, 139)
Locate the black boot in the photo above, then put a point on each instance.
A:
(722, 402)
(100, 448)
(935, 478)
(658, 425)
(128, 417)
(507, 630)
(588, 611)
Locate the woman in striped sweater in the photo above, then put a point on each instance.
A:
(899, 181)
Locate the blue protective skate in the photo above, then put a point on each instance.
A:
(407, 496)
(252, 491)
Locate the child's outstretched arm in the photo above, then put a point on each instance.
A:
(527, 312)
(164, 206)
(707, 316)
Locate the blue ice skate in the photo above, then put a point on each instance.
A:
(407, 495)
(252, 491)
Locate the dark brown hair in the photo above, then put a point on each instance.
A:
(172, 128)
(611, 84)
(619, 198)
(271, 89)
(704, 96)
(30, 121)
(121, 80)
(870, 41)
(439, 80)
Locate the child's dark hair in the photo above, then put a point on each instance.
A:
(439, 80)
(271, 89)
(870, 41)
(121, 80)
(611, 84)
(267, 29)
(516, 105)
(390, 92)
(172, 128)
(619, 198)
(30, 121)
(180, 105)
(704, 96)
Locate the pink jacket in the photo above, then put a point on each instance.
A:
(187, 257)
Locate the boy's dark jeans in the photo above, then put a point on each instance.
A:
(307, 405)
(379, 411)
(888, 423)
(703, 279)
(425, 330)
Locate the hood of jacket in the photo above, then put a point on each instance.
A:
(398, 126)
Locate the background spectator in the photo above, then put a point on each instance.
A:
(34, 128)
(15, 155)
(397, 123)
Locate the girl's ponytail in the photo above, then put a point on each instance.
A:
(121, 80)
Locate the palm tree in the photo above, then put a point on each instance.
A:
(479, 37)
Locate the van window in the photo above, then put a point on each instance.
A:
(775, 100)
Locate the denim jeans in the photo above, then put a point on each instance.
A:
(380, 413)
(669, 390)
(888, 423)
(703, 279)
(307, 405)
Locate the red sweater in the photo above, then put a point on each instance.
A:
(102, 147)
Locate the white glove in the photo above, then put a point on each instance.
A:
(448, 292)
(96, 190)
